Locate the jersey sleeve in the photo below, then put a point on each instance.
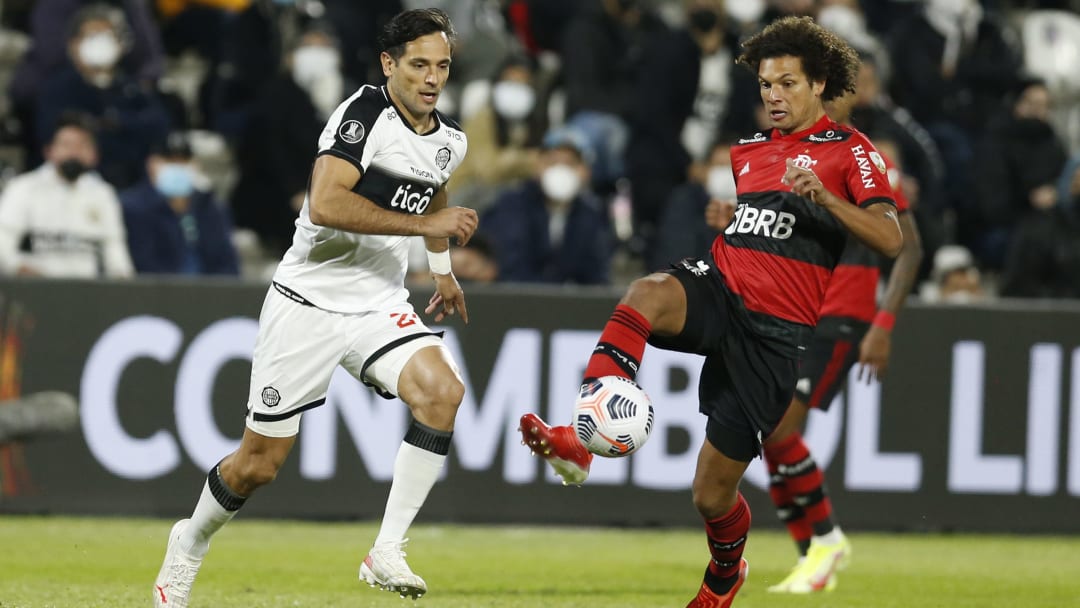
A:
(350, 134)
(867, 176)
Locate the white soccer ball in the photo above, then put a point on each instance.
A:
(613, 416)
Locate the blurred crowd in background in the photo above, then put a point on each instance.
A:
(176, 136)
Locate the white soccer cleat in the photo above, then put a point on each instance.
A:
(385, 568)
(817, 571)
(177, 574)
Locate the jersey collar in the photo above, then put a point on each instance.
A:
(823, 123)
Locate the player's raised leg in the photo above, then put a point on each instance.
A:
(430, 385)
(652, 304)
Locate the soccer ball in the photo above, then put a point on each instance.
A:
(613, 416)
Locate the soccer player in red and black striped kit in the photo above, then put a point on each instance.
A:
(750, 306)
(850, 329)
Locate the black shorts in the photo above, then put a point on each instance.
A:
(828, 359)
(746, 381)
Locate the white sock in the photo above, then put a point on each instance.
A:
(832, 538)
(209, 515)
(415, 472)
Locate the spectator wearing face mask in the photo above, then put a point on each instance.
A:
(173, 226)
(62, 220)
(504, 136)
(697, 211)
(955, 278)
(129, 115)
(551, 229)
(274, 154)
(48, 53)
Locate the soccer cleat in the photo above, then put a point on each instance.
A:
(385, 568)
(559, 445)
(707, 598)
(177, 574)
(817, 571)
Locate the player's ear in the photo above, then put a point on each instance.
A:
(817, 87)
(387, 63)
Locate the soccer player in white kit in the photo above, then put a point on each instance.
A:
(339, 298)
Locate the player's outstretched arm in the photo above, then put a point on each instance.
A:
(876, 345)
(876, 225)
(333, 204)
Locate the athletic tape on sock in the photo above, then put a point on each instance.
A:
(226, 497)
(427, 438)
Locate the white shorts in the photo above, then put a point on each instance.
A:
(299, 346)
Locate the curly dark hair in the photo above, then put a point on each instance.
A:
(825, 56)
(409, 25)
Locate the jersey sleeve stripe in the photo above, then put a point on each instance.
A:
(875, 200)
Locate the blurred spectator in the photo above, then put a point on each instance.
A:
(356, 24)
(251, 49)
(551, 229)
(274, 154)
(846, 18)
(62, 220)
(195, 24)
(697, 211)
(603, 50)
(504, 136)
(685, 94)
(955, 278)
(49, 52)
(129, 115)
(1044, 257)
(539, 24)
(173, 227)
(1016, 170)
(1069, 187)
(951, 66)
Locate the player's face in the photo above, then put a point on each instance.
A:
(417, 78)
(792, 101)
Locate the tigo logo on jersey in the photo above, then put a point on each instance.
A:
(409, 201)
(351, 131)
(766, 222)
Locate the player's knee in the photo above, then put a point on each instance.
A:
(439, 403)
(651, 295)
(254, 471)
(713, 500)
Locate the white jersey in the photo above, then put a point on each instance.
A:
(400, 171)
(61, 229)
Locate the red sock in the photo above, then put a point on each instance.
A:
(727, 539)
(804, 482)
(790, 513)
(618, 353)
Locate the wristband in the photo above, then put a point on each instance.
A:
(439, 262)
(884, 319)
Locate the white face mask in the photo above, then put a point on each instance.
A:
(720, 183)
(560, 183)
(101, 50)
(310, 63)
(513, 100)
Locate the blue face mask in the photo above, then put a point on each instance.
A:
(175, 180)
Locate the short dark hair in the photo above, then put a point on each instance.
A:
(410, 25)
(99, 11)
(825, 56)
(76, 120)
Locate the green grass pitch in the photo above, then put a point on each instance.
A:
(111, 563)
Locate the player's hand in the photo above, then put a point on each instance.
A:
(874, 353)
(453, 222)
(447, 299)
(718, 214)
(804, 182)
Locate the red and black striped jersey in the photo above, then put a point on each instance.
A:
(852, 291)
(779, 250)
